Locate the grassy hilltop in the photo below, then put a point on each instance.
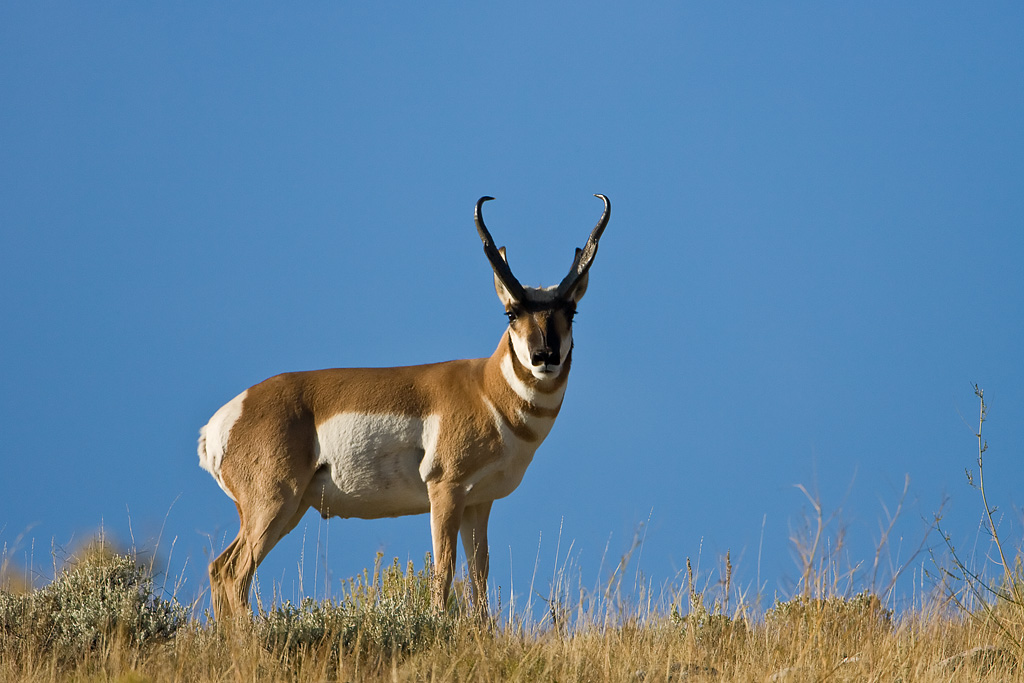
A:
(100, 620)
(104, 618)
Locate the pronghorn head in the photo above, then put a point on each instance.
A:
(540, 319)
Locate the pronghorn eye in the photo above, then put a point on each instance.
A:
(511, 315)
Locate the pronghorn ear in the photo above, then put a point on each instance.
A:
(503, 293)
(580, 288)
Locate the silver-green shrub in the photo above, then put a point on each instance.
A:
(388, 614)
(101, 596)
(832, 619)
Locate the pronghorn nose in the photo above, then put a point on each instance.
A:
(544, 357)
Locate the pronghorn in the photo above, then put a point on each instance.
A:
(445, 438)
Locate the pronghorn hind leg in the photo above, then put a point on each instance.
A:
(220, 570)
(447, 502)
(231, 574)
(267, 510)
(474, 542)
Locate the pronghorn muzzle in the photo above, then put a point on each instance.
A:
(545, 356)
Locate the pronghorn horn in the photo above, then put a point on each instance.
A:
(585, 256)
(499, 265)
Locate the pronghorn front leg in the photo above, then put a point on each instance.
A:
(447, 503)
(474, 542)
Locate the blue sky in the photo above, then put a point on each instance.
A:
(815, 250)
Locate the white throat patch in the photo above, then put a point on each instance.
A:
(525, 391)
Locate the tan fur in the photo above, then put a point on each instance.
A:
(270, 462)
(446, 438)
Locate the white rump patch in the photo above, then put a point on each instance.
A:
(214, 436)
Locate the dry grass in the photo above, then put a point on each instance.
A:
(803, 640)
(102, 619)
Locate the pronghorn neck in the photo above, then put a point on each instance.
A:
(512, 388)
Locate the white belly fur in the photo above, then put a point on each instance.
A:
(371, 465)
(374, 465)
